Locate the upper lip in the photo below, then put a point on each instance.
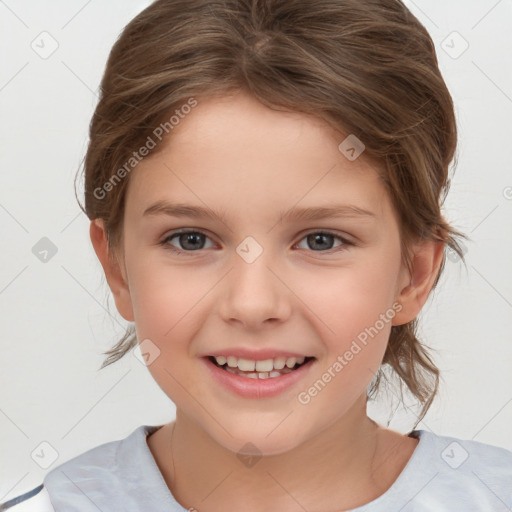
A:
(254, 355)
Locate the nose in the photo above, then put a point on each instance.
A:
(254, 293)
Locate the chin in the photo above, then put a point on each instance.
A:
(262, 439)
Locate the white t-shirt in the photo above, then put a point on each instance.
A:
(444, 474)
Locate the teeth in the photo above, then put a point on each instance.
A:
(259, 375)
(290, 362)
(263, 366)
(221, 360)
(279, 363)
(246, 365)
(259, 367)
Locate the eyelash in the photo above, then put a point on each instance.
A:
(165, 242)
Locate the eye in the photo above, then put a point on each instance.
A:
(193, 240)
(323, 240)
(189, 241)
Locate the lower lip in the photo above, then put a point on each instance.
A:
(257, 388)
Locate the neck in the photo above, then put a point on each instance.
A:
(346, 465)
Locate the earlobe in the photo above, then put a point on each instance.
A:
(425, 265)
(117, 282)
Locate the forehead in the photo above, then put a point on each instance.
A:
(235, 151)
(243, 125)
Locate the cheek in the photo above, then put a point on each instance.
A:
(170, 305)
(165, 300)
(353, 315)
(350, 299)
(353, 310)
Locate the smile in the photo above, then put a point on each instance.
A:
(262, 369)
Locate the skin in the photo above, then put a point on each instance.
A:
(236, 155)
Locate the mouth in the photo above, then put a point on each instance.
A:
(262, 369)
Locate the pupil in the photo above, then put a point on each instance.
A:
(318, 237)
(190, 237)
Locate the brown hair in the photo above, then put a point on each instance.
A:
(367, 68)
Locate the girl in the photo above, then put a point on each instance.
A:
(264, 182)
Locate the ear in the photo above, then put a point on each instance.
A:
(417, 284)
(113, 272)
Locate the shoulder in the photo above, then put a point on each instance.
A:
(102, 475)
(467, 456)
(36, 500)
(89, 479)
(446, 474)
(462, 472)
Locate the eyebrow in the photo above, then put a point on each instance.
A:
(294, 214)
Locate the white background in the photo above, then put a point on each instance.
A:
(57, 320)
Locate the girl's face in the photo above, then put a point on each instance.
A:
(267, 273)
